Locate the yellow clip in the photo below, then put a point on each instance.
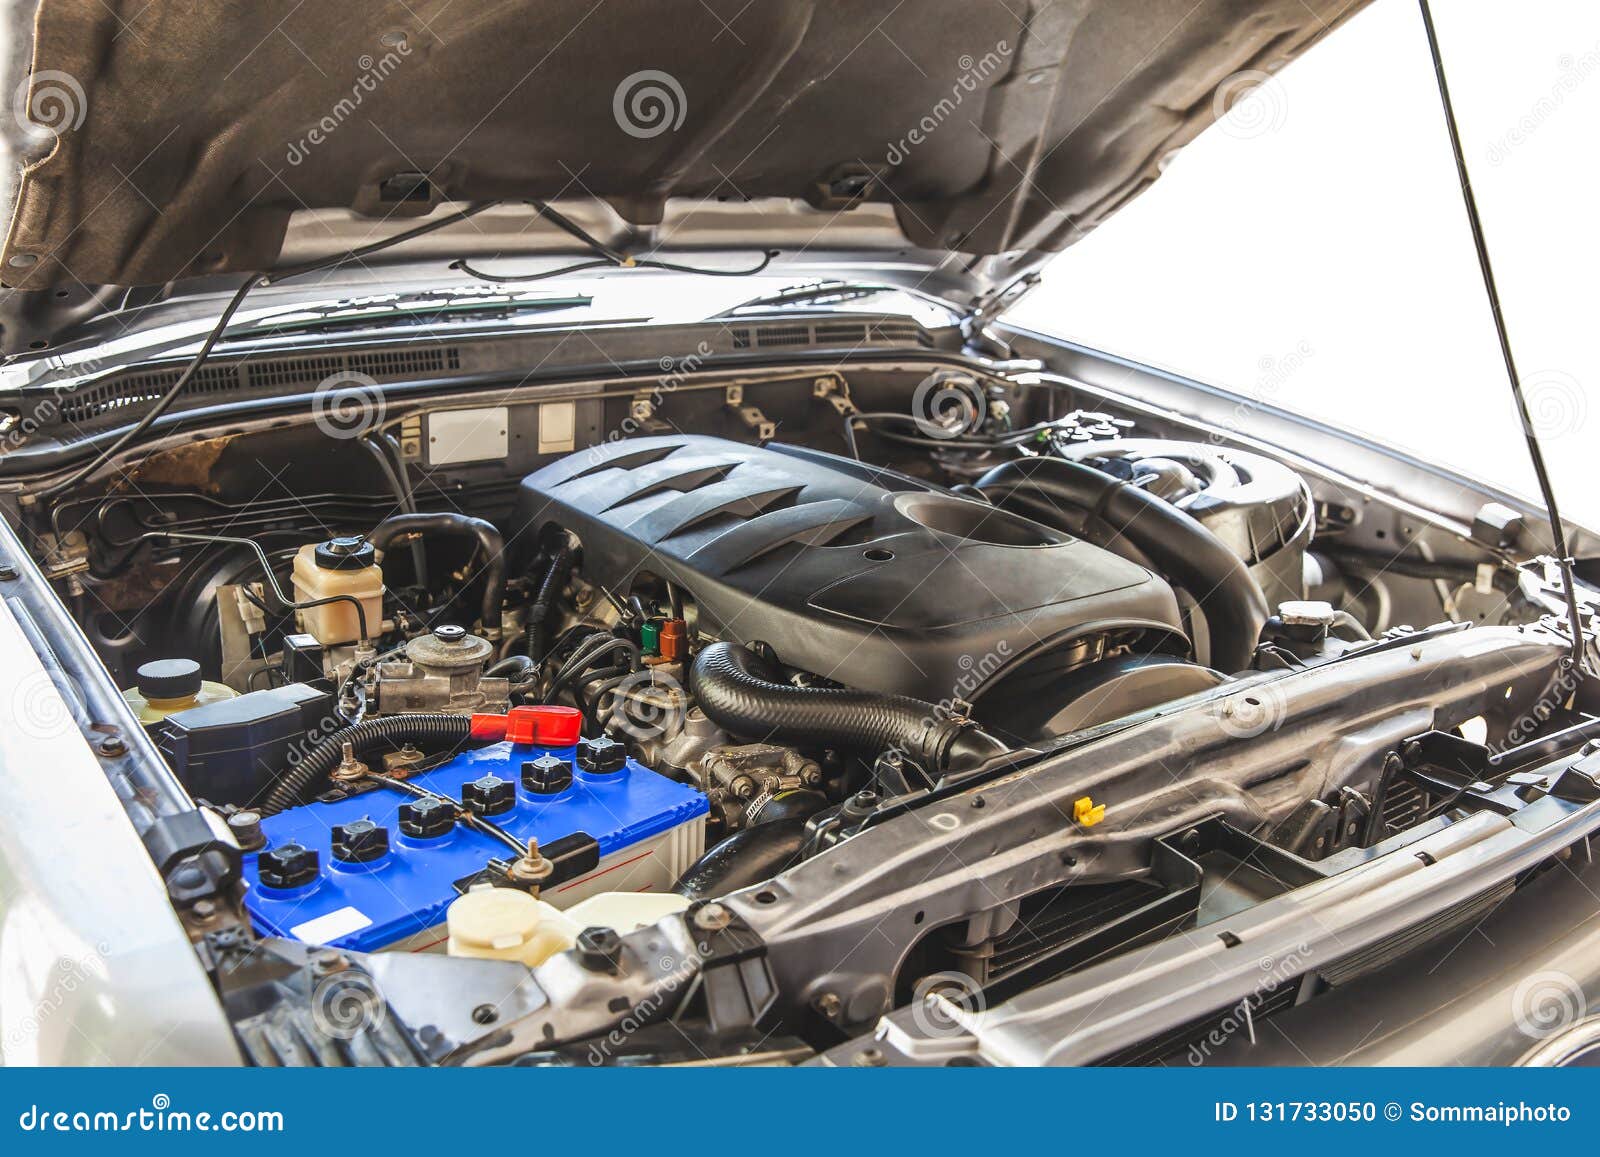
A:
(629, 263)
(1087, 812)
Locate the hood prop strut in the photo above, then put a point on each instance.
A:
(1558, 533)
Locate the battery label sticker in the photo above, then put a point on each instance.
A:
(335, 924)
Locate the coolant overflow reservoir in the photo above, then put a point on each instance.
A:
(339, 566)
(166, 686)
(505, 924)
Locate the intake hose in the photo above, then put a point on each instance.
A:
(1227, 593)
(741, 692)
(539, 612)
(489, 542)
(747, 857)
(391, 731)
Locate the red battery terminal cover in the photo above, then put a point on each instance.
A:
(543, 726)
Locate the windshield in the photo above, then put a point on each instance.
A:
(1310, 250)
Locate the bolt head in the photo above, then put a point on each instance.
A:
(599, 949)
(329, 960)
(712, 917)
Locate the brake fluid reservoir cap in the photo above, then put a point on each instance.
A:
(545, 726)
(348, 552)
(169, 679)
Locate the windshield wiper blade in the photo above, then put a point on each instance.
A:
(413, 311)
(817, 291)
(315, 265)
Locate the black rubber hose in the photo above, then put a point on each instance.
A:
(392, 731)
(517, 668)
(489, 542)
(747, 857)
(1227, 593)
(741, 692)
(539, 612)
(419, 553)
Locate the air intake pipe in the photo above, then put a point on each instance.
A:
(1227, 594)
(741, 692)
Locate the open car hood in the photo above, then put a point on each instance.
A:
(169, 139)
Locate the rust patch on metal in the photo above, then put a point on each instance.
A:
(190, 465)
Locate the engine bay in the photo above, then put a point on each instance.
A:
(681, 671)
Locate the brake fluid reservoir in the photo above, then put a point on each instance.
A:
(340, 566)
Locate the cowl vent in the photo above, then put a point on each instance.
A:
(255, 375)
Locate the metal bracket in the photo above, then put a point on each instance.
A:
(751, 416)
(836, 392)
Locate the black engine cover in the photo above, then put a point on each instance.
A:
(861, 575)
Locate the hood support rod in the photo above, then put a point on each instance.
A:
(1557, 531)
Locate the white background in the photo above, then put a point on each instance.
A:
(1311, 249)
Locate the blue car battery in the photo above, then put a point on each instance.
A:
(377, 869)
